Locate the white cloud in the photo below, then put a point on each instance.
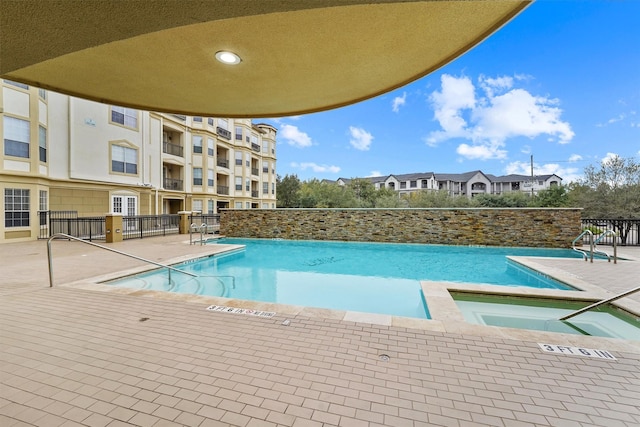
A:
(568, 174)
(399, 101)
(360, 138)
(293, 136)
(608, 157)
(315, 167)
(374, 173)
(499, 113)
(575, 158)
(482, 151)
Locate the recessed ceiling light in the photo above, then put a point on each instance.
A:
(227, 57)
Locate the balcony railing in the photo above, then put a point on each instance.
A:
(223, 163)
(174, 149)
(224, 133)
(221, 189)
(254, 194)
(172, 184)
(254, 171)
(255, 147)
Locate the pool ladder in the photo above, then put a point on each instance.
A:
(202, 229)
(593, 243)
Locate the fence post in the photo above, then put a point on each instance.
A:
(184, 224)
(114, 227)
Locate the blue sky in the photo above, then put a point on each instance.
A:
(560, 82)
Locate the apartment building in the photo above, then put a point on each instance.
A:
(467, 184)
(62, 153)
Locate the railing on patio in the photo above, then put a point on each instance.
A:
(94, 228)
(139, 226)
(627, 231)
(68, 222)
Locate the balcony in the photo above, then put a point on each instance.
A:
(172, 149)
(223, 163)
(224, 133)
(255, 147)
(221, 189)
(254, 194)
(172, 184)
(254, 171)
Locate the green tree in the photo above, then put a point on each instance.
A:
(552, 197)
(364, 191)
(321, 194)
(288, 191)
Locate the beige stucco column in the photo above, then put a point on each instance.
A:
(114, 227)
(184, 222)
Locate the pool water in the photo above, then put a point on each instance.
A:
(542, 315)
(369, 277)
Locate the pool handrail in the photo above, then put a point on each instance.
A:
(599, 303)
(592, 246)
(68, 237)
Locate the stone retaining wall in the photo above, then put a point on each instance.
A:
(535, 227)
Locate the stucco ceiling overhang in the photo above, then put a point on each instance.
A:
(297, 56)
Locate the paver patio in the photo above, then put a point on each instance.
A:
(77, 357)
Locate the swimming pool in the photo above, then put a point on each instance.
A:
(369, 277)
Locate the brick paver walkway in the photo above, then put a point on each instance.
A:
(74, 357)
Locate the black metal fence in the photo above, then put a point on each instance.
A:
(139, 226)
(68, 222)
(627, 231)
(211, 220)
(94, 228)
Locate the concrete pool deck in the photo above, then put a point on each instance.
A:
(72, 356)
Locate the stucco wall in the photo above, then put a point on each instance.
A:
(552, 228)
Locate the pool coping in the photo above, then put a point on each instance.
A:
(445, 315)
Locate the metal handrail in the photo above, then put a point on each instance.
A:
(592, 246)
(68, 237)
(584, 254)
(615, 245)
(597, 304)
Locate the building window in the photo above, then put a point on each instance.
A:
(210, 177)
(197, 176)
(210, 146)
(247, 205)
(247, 184)
(42, 142)
(124, 159)
(265, 167)
(125, 116)
(414, 184)
(238, 205)
(197, 144)
(273, 188)
(16, 137)
(239, 183)
(197, 119)
(16, 84)
(425, 183)
(42, 93)
(16, 207)
(210, 207)
(210, 121)
(238, 158)
(223, 123)
(238, 133)
(265, 147)
(265, 188)
(42, 206)
(403, 184)
(197, 206)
